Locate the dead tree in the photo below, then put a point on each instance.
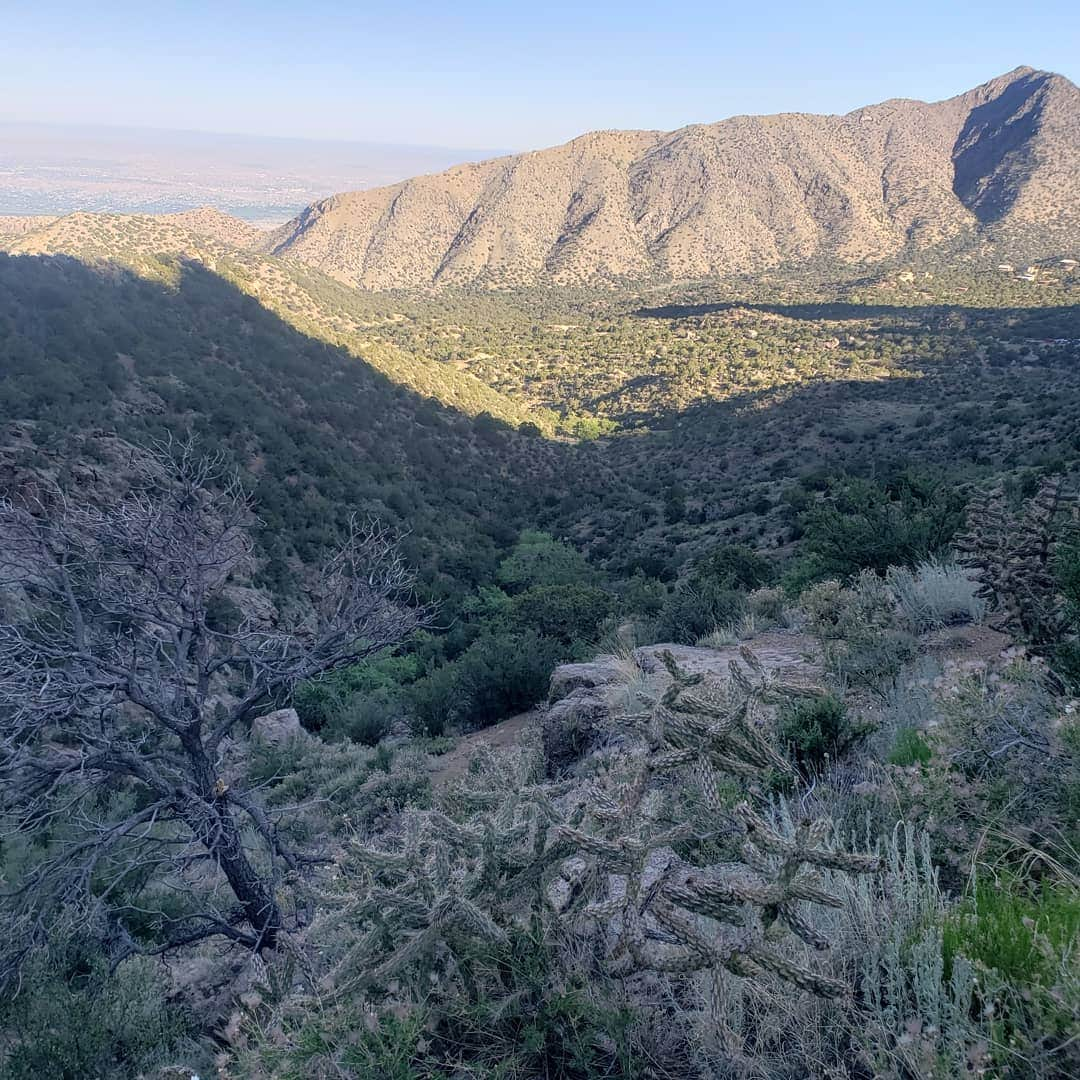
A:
(122, 672)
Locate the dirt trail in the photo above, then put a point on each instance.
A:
(505, 735)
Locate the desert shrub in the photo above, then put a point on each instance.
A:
(919, 1018)
(360, 703)
(542, 1020)
(357, 717)
(71, 1019)
(1065, 655)
(527, 1017)
(816, 729)
(909, 748)
(873, 661)
(1065, 659)
(640, 595)
(860, 525)
(733, 566)
(1069, 787)
(314, 789)
(697, 608)
(906, 1019)
(856, 626)
(1004, 774)
(837, 612)
(768, 606)
(712, 595)
(317, 704)
(935, 594)
(540, 559)
(504, 674)
(907, 705)
(365, 718)
(500, 674)
(1067, 572)
(435, 701)
(1027, 939)
(567, 614)
(1000, 728)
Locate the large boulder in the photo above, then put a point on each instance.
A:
(572, 727)
(569, 678)
(586, 701)
(277, 728)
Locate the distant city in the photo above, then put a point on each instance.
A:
(56, 169)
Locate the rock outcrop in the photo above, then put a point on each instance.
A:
(277, 728)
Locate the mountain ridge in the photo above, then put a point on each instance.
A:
(998, 162)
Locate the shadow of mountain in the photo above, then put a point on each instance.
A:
(986, 168)
(901, 316)
(317, 432)
(734, 459)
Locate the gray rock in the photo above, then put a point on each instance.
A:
(277, 728)
(569, 678)
(581, 718)
(572, 727)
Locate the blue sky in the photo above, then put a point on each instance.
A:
(513, 76)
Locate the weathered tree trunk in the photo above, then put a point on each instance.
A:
(212, 822)
(255, 894)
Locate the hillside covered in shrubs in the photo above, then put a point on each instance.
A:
(657, 683)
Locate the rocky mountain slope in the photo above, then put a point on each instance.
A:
(84, 234)
(999, 162)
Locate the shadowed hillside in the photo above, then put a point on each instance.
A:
(308, 300)
(318, 431)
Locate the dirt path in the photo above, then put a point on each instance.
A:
(505, 735)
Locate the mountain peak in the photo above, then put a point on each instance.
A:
(998, 162)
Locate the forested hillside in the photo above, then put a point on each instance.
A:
(317, 431)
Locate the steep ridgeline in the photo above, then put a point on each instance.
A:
(1000, 162)
(91, 354)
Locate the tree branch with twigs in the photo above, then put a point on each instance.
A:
(120, 679)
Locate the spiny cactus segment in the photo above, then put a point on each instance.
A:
(600, 858)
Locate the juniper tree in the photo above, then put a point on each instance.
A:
(126, 665)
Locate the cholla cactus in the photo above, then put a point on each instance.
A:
(676, 918)
(601, 855)
(451, 883)
(1012, 554)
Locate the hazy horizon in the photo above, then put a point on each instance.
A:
(59, 168)
(487, 76)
